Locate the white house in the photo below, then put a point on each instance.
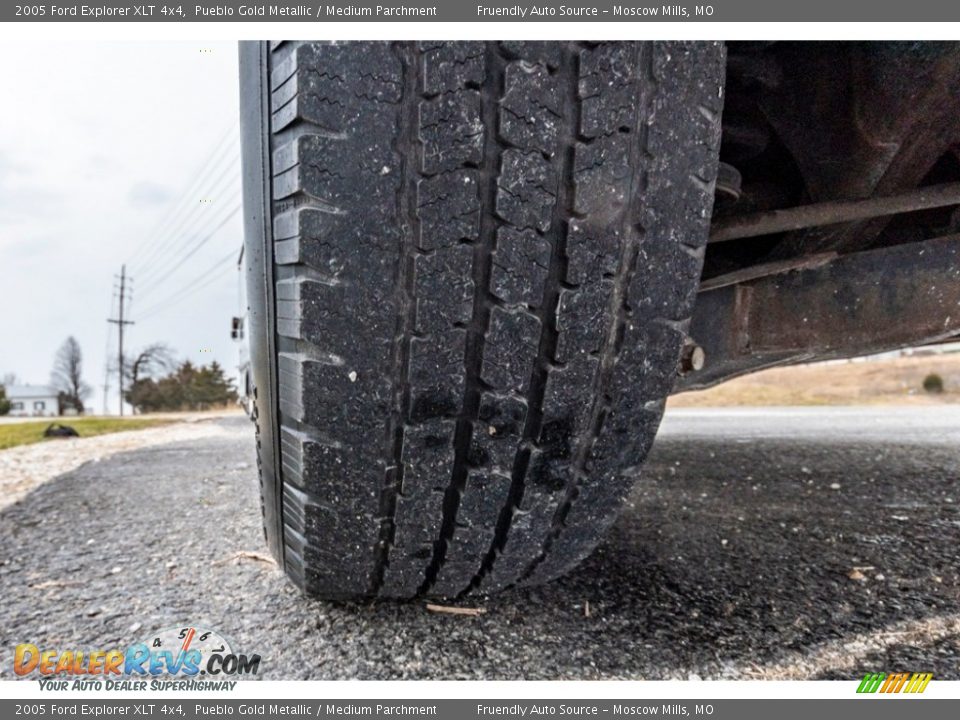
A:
(32, 401)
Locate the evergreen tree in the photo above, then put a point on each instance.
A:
(186, 388)
(4, 402)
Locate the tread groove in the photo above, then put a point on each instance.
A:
(619, 303)
(482, 303)
(547, 312)
(408, 150)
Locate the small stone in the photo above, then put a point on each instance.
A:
(135, 627)
(492, 430)
(856, 575)
(352, 375)
(834, 486)
(114, 570)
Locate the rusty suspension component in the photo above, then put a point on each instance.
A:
(833, 212)
(856, 304)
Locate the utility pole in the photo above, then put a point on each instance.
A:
(106, 360)
(121, 324)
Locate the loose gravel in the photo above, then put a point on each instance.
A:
(755, 545)
(26, 467)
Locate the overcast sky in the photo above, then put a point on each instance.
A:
(99, 145)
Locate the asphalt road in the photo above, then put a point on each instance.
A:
(780, 543)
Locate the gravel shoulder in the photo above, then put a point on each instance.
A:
(26, 467)
(780, 544)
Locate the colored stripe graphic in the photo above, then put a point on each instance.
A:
(871, 682)
(894, 683)
(918, 683)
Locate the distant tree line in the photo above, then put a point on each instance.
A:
(186, 387)
(154, 381)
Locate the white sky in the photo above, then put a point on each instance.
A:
(98, 143)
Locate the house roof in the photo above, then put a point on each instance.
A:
(25, 392)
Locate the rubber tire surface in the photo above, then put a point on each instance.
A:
(477, 263)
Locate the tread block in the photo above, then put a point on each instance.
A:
(593, 250)
(530, 523)
(451, 132)
(520, 263)
(450, 66)
(319, 467)
(608, 89)
(583, 319)
(436, 376)
(338, 540)
(497, 432)
(427, 462)
(526, 190)
(322, 83)
(531, 111)
(547, 53)
(335, 412)
(449, 209)
(476, 527)
(444, 288)
(304, 303)
(511, 348)
(603, 178)
(310, 237)
(563, 395)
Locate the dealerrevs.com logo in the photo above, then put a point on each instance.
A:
(183, 658)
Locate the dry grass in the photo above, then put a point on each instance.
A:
(892, 381)
(27, 433)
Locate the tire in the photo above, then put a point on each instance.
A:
(471, 270)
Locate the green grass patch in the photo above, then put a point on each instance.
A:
(27, 433)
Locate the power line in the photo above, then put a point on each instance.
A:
(176, 216)
(182, 297)
(202, 170)
(228, 174)
(189, 288)
(174, 258)
(171, 242)
(193, 251)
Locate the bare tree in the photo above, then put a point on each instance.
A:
(153, 360)
(67, 375)
(9, 379)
